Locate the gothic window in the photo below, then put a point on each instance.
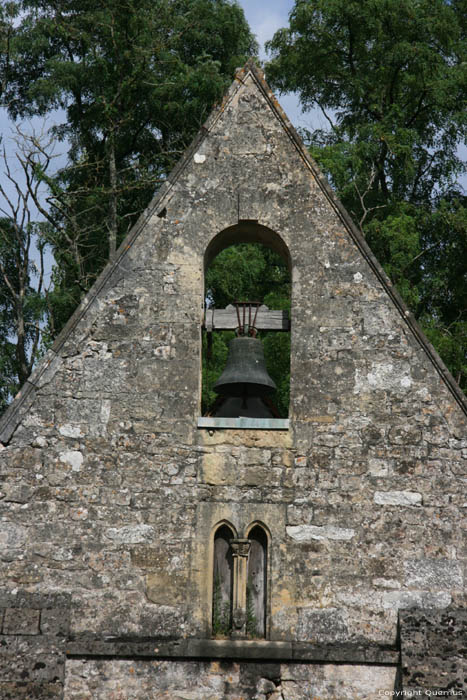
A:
(222, 583)
(256, 583)
(239, 584)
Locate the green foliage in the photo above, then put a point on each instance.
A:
(22, 307)
(248, 272)
(251, 619)
(9, 377)
(214, 360)
(277, 357)
(221, 613)
(390, 78)
(136, 79)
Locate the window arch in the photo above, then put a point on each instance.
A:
(257, 582)
(240, 582)
(222, 581)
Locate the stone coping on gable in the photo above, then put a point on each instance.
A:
(250, 650)
(244, 423)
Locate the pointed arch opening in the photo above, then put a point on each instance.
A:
(222, 581)
(257, 582)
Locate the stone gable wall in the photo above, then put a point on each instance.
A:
(110, 491)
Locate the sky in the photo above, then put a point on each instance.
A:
(265, 18)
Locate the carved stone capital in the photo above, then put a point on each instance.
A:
(240, 548)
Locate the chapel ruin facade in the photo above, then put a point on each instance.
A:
(118, 497)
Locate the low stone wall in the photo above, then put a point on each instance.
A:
(34, 631)
(222, 680)
(434, 652)
(39, 660)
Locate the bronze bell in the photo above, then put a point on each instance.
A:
(245, 373)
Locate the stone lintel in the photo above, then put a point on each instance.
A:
(233, 649)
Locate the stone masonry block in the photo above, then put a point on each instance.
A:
(433, 650)
(55, 622)
(31, 691)
(21, 621)
(30, 658)
(321, 625)
(437, 574)
(218, 468)
(397, 498)
(307, 533)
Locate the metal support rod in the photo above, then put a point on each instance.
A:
(252, 331)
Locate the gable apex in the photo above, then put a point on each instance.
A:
(249, 78)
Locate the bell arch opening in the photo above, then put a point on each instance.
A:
(247, 232)
(246, 343)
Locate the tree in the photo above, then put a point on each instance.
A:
(389, 77)
(136, 79)
(8, 13)
(22, 293)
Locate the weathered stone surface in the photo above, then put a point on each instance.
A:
(415, 599)
(166, 587)
(12, 536)
(31, 691)
(214, 681)
(306, 533)
(32, 645)
(21, 621)
(345, 681)
(131, 534)
(55, 622)
(31, 659)
(433, 649)
(436, 574)
(397, 498)
(73, 458)
(321, 625)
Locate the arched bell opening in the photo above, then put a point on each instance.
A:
(222, 582)
(257, 580)
(246, 346)
(247, 232)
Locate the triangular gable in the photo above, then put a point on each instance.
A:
(250, 74)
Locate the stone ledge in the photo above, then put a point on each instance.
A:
(84, 646)
(244, 423)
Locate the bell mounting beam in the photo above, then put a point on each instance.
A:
(227, 319)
